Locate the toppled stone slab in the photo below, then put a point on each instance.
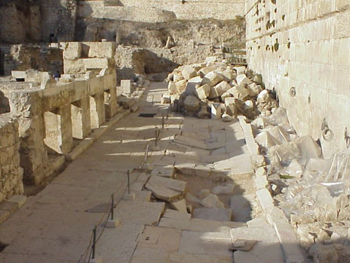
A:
(215, 214)
(166, 189)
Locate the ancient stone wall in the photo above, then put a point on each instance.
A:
(10, 171)
(80, 57)
(51, 119)
(301, 49)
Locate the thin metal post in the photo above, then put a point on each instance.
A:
(162, 121)
(128, 182)
(112, 208)
(156, 137)
(93, 243)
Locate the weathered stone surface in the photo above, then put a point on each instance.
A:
(172, 88)
(189, 72)
(212, 78)
(163, 193)
(203, 92)
(181, 86)
(254, 89)
(180, 206)
(212, 201)
(324, 253)
(204, 71)
(221, 88)
(214, 214)
(243, 79)
(225, 189)
(172, 184)
(192, 104)
(216, 111)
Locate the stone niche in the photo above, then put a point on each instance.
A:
(11, 173)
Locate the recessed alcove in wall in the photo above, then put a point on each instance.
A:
(107, 105)
(53, 134)
(77, 120)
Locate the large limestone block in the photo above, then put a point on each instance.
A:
(192, 103)
(189, 72)
(254, 89)
(213, 93)
(72, 50)
(173, 184)
(172, 88)
(221, 88)
(243, 79)
(228, 75)
(231, 108)
(181, 86)
(95, 63)
(240, 92)
(240, 70)
(203, 92)
(163, 193)
(212, 78)
(178, 76)
(192, 84)
(101, 49)
(204, 71)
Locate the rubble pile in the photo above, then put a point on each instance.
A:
(219, 90)
(313, 192)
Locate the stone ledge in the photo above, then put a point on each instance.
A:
(9, 207)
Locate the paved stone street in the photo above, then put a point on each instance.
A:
(56, 224)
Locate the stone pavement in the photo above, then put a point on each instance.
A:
(56, 224)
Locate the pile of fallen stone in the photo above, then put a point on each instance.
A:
(219, 90)
(312, 191)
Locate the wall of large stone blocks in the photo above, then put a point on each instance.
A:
(302, 50)
(188, 9)
(10, 171)
(56, 116)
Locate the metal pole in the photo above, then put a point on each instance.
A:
(112, 208)
(93, 244)
(128, 182)
(155, 141)
(162, 121)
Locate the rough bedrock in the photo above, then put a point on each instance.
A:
(20, 21)
(189, 39)
(30, 56)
